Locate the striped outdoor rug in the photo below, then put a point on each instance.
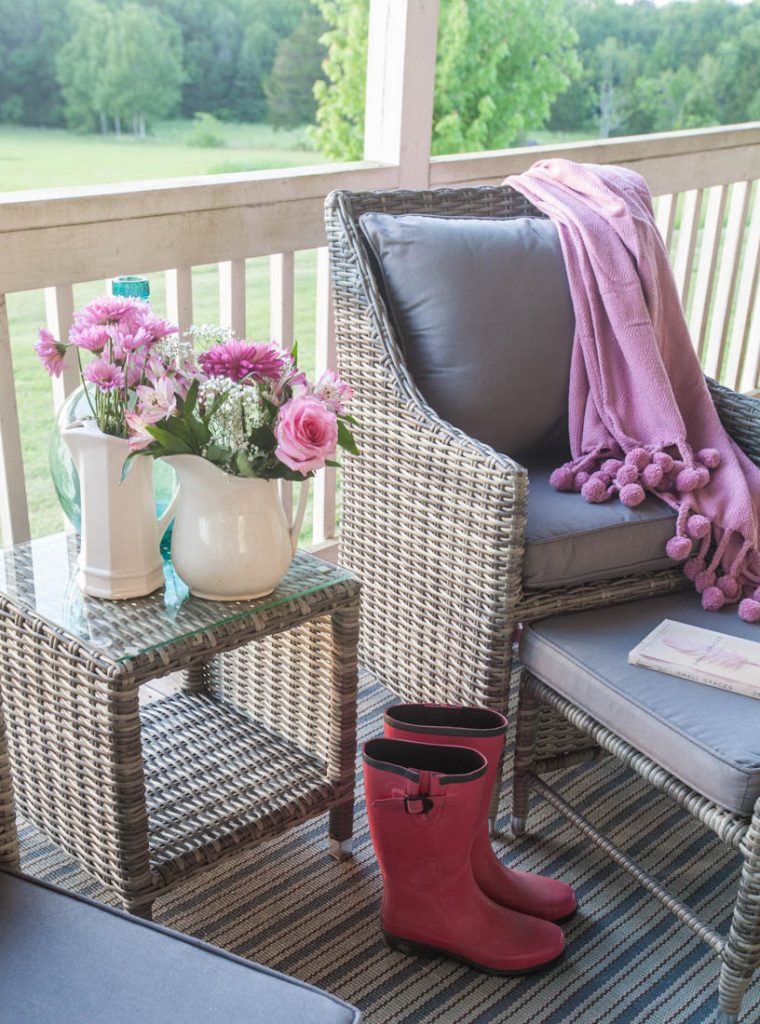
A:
(289, 906)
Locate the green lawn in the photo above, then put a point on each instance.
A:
(52, 158)
(32, 158)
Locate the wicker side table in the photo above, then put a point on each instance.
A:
(262, 736)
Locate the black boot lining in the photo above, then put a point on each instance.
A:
(403, 757)
(445, 721)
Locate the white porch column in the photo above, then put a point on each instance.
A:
(398, 120)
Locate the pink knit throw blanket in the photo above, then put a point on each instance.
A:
(641, 418)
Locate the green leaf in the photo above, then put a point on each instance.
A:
(218, 454)
(346, 438)
(263, 437)
(170, 442)
(294, 353)
(128, 465)
(332, 464)
(190, 399)
(242, 463)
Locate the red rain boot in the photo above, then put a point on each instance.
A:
(483, 730)
(424, 804)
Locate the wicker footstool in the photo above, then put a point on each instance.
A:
(698, 744)
(262, 736)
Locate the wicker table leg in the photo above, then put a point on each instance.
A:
(342, 752)
(200, 676)
(741, 953)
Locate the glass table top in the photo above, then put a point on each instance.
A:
(40, 577)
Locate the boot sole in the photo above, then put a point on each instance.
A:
(411, 948)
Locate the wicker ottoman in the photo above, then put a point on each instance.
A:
(698, 744)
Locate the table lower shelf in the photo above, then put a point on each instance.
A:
(217, 780)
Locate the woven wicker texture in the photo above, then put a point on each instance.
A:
(628, 961)
(540, 749)
(434, 521)
(143, 807)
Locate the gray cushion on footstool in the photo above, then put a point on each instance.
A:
(708, 738)
(485, 321)
(569, 541)
(68, 960)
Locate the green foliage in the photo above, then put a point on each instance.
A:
(31, 33)
(297, 66)
(206, 132)
(122, 65)
(648, 68)
(500, 64)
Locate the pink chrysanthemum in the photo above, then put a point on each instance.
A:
(110, 310)
(103, 375)
(333, 391)
(94, 338)
(51, 353)
(237, 360)
(153, 327)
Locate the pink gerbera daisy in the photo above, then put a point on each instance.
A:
(239, 360)
(51, 353)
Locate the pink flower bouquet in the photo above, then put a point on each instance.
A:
(118, 336)
(243, 405)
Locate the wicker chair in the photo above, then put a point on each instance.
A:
(433, 520)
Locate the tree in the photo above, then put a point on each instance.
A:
(80, 64)
(500, 64)
(142, 72)
(297, 66)
(31, 34)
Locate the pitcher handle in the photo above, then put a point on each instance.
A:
(294, 527)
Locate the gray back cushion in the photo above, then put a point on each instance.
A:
(483, 313)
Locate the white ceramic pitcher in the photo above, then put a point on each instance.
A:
(232, 539)
(119, 555)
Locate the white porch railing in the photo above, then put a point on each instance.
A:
(708, 208)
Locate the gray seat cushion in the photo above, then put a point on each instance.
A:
(483, 313)
(68, 960)
(569, 541)
(708, 738)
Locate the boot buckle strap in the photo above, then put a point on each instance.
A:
(420, 804)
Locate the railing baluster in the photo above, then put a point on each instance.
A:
(325, 482)
(666, 217)
(232, 296)
(59, 308)
(14, 511)
(727, 274)
(282, 322)
(746, 328)
(281, 298)
(179, 296)
(708, 258)
(683, 268)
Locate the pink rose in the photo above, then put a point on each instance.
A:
(307, 434)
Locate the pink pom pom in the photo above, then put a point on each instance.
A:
(677, 466)
(663, 460)
(690, 480)
(729, 587)
(678, 548)
(698, 527)
(704, 580)
(713, 599)
(710, 457)
(562, 478)
(632, 495)
(627, 475)
(638, 457)
(692, 568)
(595, 490)
(652, 475)
(611, 466)
(756, 594)
(581, 477)
(749, 610)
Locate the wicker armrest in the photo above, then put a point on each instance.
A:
(433, 521)
(740, 415)
(8, 837)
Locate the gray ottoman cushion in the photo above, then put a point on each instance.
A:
(485, 321)
(569, 541)
(67, 960)
(708, 738)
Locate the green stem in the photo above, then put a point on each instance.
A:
(84, 383)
